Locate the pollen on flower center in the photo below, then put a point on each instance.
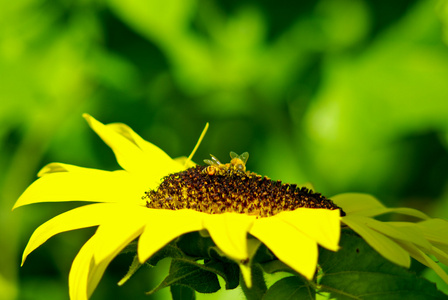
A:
(242, 192)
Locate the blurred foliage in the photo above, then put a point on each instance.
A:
(348, 94)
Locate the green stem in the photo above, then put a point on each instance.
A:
(258, 288)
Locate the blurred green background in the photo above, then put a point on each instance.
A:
(351, 95)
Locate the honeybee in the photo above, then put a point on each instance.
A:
(237, 164)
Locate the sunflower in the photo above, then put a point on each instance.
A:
(157, 199)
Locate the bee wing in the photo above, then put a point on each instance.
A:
(244, 157)
(215, 160)
(209, 162)
(233, 155)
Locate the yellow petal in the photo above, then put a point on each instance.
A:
(245, 266)
(79, 272)
(118, 232)
(246, 272)
(229, 232)
(81, 217)
(133, 153)
(382, 244)
(440, 255)
(321, 225)
(96, 272)
(60, 167)
(162, 226)
(122, 225)
(128, 133)
(441, 246)
(404, 231)
(148, 148)
(404, 211)
(356, 202)
(424, 259)
(290, 245)
(368, 206)
(435, 230)
(85, 273)
(87, 185)
(399, 210)
(153, 150)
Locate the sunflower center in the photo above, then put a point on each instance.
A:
(236, 191)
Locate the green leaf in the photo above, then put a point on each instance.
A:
(190, 274)
(290, 288)
(132, 269)
(229, 271)
(356, 271)
(168, 251)
(180, 292)
(275, 266)
(195, 245)
(258, 288)
(263, 255)
(130, 248)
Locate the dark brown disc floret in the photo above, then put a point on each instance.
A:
(242, 192)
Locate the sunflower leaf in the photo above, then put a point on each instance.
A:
(263, 255)
(289, 288)
(227, 270)
(132, 269)
(275, 266)
(257, 288)
(180, 292)
(167, 251)
(190, 274)
(195, 245)
(130, 248)
(357, 271)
